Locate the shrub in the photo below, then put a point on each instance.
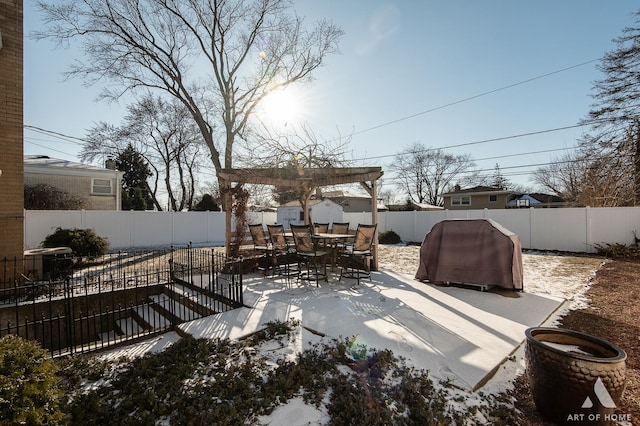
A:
(29, 388)
(618, 251)
(389, 237)
(83, 242)
(47, 197)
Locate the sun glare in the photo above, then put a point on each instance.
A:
(282, 107)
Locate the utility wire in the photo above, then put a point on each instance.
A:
(408, 117)
(521, 135)
(76, 140)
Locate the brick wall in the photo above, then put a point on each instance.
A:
(11, 129)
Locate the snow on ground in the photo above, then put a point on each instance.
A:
(546, 274)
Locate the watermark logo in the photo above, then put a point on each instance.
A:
(602, 394)
(603, 397)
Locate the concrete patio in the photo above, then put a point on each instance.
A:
(459, 334)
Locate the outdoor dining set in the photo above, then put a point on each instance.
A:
(305, 252)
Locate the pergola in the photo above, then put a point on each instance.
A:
(307, 180)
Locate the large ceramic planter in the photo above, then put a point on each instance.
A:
(575, 378)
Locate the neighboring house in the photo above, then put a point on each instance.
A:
(325, 211)
(479, 197)
(536, 200)
(351, 202)
(420, 207)
(99, 187)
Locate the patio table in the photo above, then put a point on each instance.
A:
(332, 241)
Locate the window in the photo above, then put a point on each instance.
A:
(101, 187)
(493, 198)
(461, 201)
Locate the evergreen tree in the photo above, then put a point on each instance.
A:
(206, 203)
(498, 180)
(134, 181)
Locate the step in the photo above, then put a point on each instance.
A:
(108, 335)
(181, 311)
(129, 326)
(153, 317)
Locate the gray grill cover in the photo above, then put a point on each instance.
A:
(471, 251)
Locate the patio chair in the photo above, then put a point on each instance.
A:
(337, 245)
(262, 245)
(283, 256)
(340, 228)
(309, 255)
(354, 258)
(320, 228)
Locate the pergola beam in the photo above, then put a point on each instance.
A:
(295, 177)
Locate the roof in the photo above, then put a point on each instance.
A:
(537, 199)
(343, 194)
(425, 206)
(478, 190)
(296, 203)
(46, 164)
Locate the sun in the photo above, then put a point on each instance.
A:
(282, 107)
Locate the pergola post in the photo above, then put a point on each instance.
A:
(227, 203)
(374, 218)
(373, 192)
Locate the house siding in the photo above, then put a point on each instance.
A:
(79, 186)
(356, 205)
(77, 182)
(479, 201)
(11, 130)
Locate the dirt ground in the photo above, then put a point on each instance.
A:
(613, 315)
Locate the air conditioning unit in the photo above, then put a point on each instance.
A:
(45, 263)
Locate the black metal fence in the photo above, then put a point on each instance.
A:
(80, 305)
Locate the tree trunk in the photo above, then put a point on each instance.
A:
(636, 164)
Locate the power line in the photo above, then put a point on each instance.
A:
(408, 117)
(521, 135)
(75, 140)
(49, 148)
(523, 153)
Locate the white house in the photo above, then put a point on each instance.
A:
(322, 211)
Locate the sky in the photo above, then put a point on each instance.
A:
(470, 77)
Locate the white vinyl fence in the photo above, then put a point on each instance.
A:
(129, 229)
(565, 229)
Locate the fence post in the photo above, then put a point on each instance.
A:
(587, 236)
(532, 228)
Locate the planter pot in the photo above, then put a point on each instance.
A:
(575, 378)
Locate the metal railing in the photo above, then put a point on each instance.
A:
(88, 304)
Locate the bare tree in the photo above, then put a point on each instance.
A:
(300, 149)
(583, 179)
(245, 49)
(425, 173)
(164, 134)
(218, 58)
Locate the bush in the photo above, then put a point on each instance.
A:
(29, 388)
(389, 237)
(618, 251)
(83, 242)
(47, 197)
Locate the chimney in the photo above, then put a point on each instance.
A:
(110, 164)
